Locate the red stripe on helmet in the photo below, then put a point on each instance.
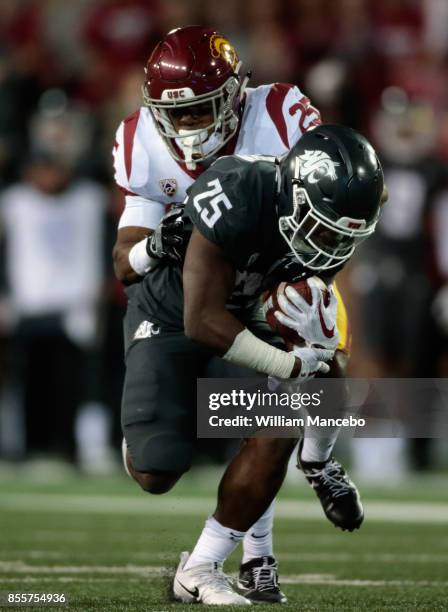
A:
(274, 105)
(130, 125)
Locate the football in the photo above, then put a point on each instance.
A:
(270, 305)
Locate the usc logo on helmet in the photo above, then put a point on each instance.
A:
(221, 47)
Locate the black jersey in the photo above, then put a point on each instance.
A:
(232, 204)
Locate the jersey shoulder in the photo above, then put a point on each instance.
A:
(226, 202)
(127, 152)
(243, 178)
(138, 154)
(143, 164)
(274, 118)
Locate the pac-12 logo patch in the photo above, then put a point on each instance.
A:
(168, 186)
(315, 165)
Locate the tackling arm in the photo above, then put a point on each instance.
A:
(132, 253)
(127, 238)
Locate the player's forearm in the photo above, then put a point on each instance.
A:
(130, 258)
(216, 329)
(122, 268)
(249, 351)
(228, 338)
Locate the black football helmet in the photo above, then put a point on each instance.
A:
(331, 189)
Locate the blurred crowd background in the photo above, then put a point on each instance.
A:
(71, 71)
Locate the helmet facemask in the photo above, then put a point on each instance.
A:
(318, 241)
(202, 143)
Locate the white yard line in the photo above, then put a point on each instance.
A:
(151, 572)
(363, 558)
(61, 579)
(328, 580)
(173, 557)
(20, 567)
(384, 511)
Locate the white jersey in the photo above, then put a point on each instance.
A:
(274, 118)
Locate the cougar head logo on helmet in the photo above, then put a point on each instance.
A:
(194, 69)
(331, 189)
(315, 164)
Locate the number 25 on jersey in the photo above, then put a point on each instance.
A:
(212, 210)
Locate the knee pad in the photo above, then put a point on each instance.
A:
(160, 453)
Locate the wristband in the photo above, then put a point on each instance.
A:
(248, 350)
(139, 260)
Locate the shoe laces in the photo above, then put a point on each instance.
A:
(332, 475)
(265, 577)
(214, 580)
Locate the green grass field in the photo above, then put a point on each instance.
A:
(109, 547)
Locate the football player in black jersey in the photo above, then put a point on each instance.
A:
(255, 220)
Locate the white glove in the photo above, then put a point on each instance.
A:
(315, 322)
(313, 361)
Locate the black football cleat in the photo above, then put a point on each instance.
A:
(258, 581)
(338, 495)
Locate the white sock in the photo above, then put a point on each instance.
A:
(316, 449)
(215, 543)
(258, 540)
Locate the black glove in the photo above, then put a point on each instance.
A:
(168, 240)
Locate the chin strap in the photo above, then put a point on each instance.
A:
(198, 143)
(189, 146)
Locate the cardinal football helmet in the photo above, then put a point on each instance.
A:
(331, 190)
(194, 66)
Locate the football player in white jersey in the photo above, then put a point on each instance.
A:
(198, 108)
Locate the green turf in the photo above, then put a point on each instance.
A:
(107, 561)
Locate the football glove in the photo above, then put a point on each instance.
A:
(313, 361)
(168, 240)
(315, 322)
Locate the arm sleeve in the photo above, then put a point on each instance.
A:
(140, 212)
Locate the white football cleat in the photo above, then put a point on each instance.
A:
(205, 583)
